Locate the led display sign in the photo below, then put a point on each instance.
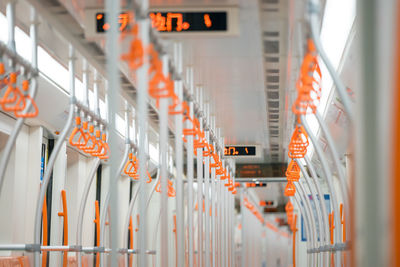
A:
(173, 21)
(240, 151)
(189, 21)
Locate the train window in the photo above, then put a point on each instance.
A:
(120, 125)
(3, 29)
(103, 109)
(48, 65)
(79, 89)
(51, 68)
(153, 151)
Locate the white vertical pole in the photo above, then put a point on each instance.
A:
(222, 193)
(219, 209)
(180, 233)
(233, 217)
(164, 169)
(230, 228)
(219, 221)
(226, 223)
(231, 209)
(10, 10)
(213, 203)
(190, 171)
(213, 217)
(207, 196)
(200, 192)
(228, 233)
(113, 10)
(142, 99)
(244, 229)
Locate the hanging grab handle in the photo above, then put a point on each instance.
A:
(77, 131)
(26, 97)
(13, 99)
(10, 95)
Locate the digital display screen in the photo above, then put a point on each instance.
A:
(189, 21)
(173, 21)
(240, 151)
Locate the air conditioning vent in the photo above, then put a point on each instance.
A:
(273, 95)
(273, 104)
(271, 47)
(272, 59)
(272, 87)
(274, 116)
(270, 9)
(273, 71)
(272, 79)
(271, 34)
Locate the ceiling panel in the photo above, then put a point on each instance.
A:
(231, 71)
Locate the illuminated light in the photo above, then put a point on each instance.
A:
(185, 25)
(99, 16)
(106, 26)
(179, 21)
(166, 23)
(207, 20)
(180, 24)
(123, 20)
(158, 21)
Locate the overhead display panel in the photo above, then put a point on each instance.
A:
(189, 21)
(261, 170)
(240, 151)
(175, 22)
(243, 153)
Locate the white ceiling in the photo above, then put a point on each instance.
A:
(231, 71)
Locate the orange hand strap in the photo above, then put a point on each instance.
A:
(77, 132)
(26, 98)
(64, 214)
(290, 189)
